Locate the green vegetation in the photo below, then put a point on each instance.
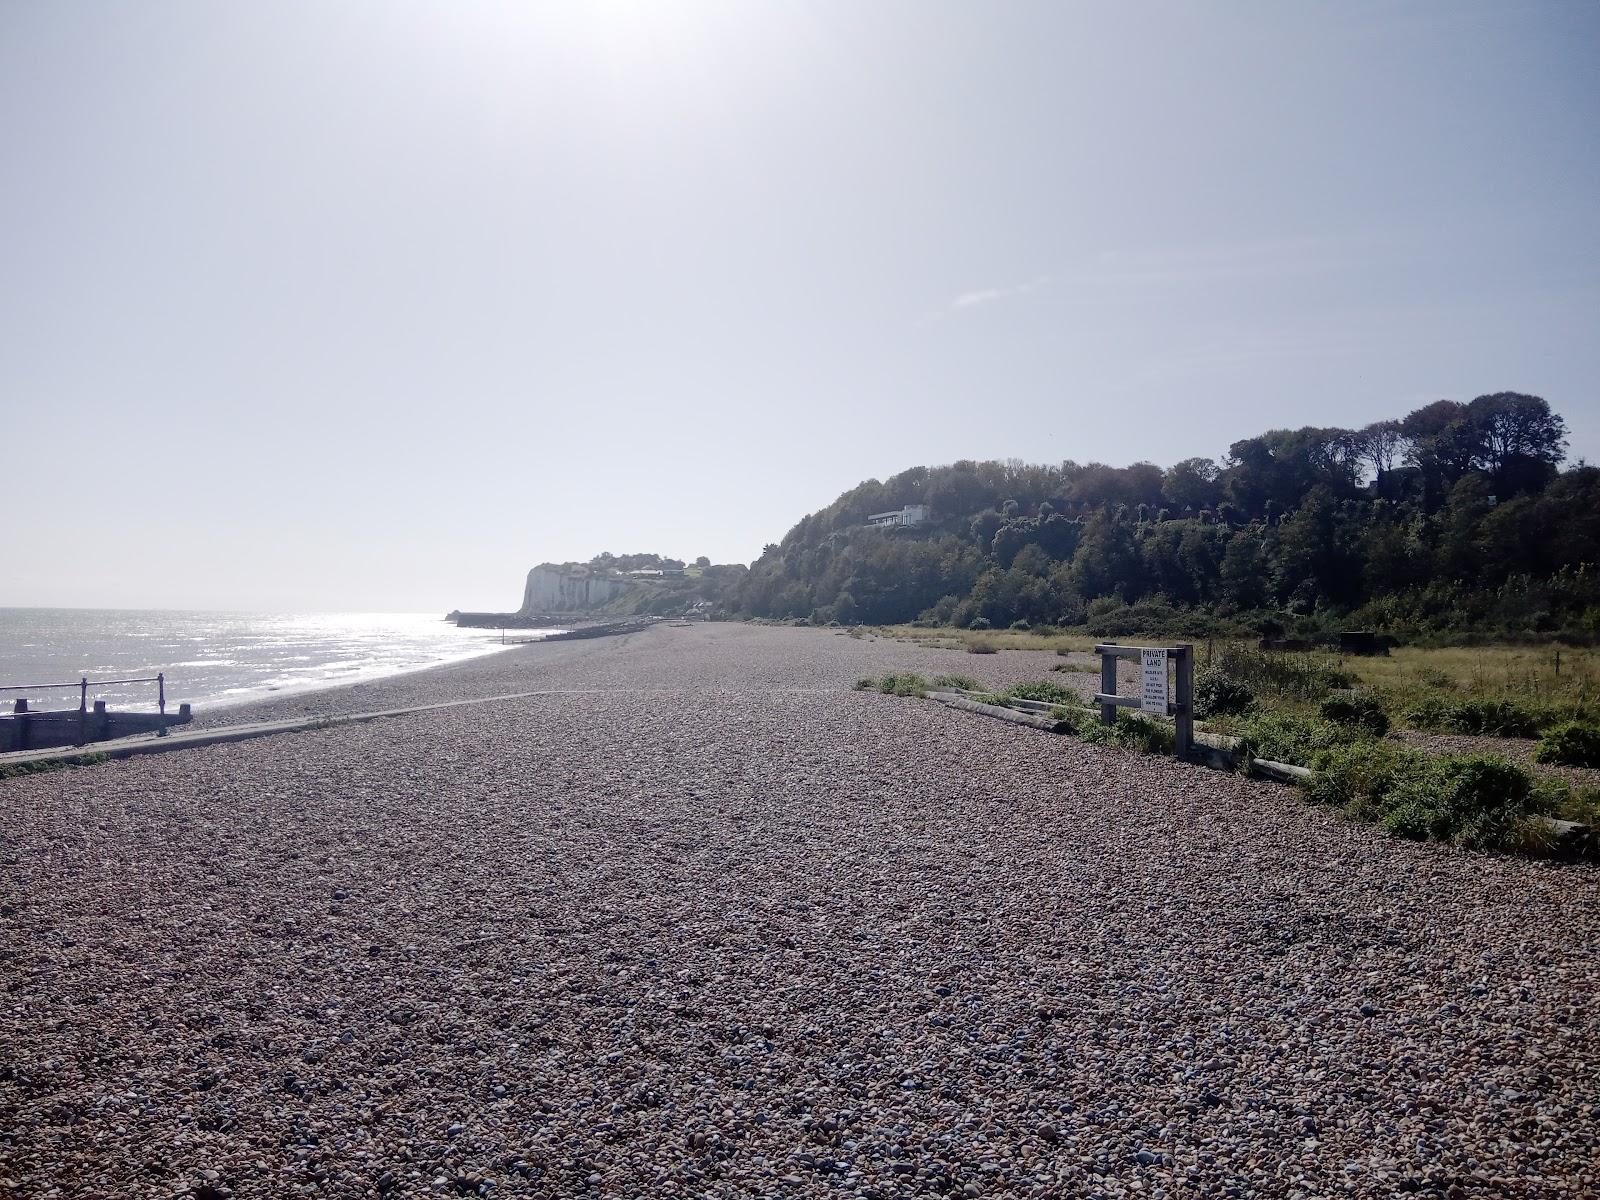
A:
(1218, 694)
(1071, 718)
(894, 685)
(88, 758)
(1045, 692)
(1284, 676)
(1129, 732)
(1493, 718)
(1453, 521)
(1571, 745)
(1474, 801)
(1288, 737)
(965, 683)
(1478, 801)
(1358, 710)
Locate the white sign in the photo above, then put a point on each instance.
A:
(1153, 699)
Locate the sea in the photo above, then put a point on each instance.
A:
(213, 659)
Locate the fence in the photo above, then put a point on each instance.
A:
(27, 729)
(85, 683)
(1155, 696)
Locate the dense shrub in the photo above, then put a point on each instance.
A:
(978, 623)
(1572, 745)
(982, 647)
(1494, 718)
(1284, 737)
(1217, 694)
(1479, 801)
(1361, 710)
(1497, 718)
(964, 682)
(1071, 718)
(1359, 776)
(1582, 805)
(1131, 732)
(1428, 713)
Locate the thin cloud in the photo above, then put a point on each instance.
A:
(1265, 258)
(981, 296)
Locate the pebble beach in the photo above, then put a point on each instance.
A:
(698, 920)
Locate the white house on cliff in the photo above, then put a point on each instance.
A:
(911, 514)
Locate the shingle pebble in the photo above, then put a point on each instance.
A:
(690, 924)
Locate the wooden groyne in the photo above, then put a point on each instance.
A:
(27, 728)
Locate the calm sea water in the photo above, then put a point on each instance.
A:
(218, 658)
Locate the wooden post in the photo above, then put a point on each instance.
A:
(161, 692)
(1183, 714)
(1108, 686)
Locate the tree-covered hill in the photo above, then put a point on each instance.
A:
(1455, 518)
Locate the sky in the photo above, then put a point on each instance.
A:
(373, 306)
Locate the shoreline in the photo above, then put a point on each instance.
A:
(293, 691)
(266, 707)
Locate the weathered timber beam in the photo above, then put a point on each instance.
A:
(1130, 702)
(955, 700)
(1133, 652)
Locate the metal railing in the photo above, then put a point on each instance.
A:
(83, 685)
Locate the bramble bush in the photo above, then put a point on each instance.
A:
(1492, 718)
(1478, 801)
(1284, 737)
(1217, 694)
(1572, 745)
(1362, 711)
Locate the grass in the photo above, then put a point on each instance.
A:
(894, 685)
(1041, 638)
(1289, 737)
(1131, 733)
(1526, 675)
(1492, 718)
(1523, 673)
(1046, 693)
(1287, 676)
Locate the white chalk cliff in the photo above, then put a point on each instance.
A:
(553, 588)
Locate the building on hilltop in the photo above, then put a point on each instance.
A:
(911, 514)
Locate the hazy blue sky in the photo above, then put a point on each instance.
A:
(348, 305)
